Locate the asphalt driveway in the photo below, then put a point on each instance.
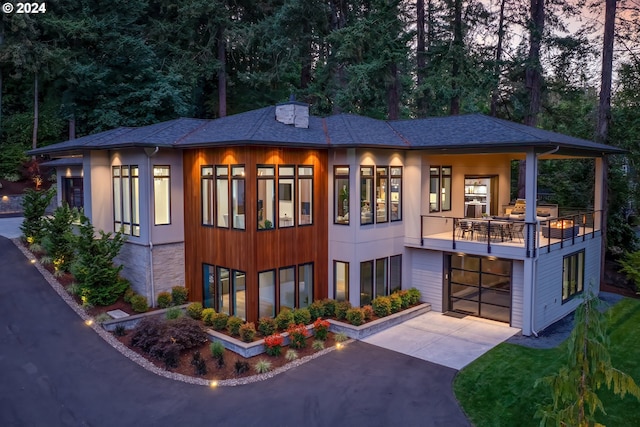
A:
(55, 371)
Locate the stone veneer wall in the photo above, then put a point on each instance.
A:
(168, 267)
(12, 204)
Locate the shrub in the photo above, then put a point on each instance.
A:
(219, 321)
(316, 309)
(273, 344)
(291, 355)
(247, 332)
(262, 366)
(233, 325)
(46, 260)
(297, 336)
(266, 326)
(173, 313)
(194, 310)
(406, 299)
(207, 316)
(241, 367)
(341, 309)
(355, 316)
(317, 345)
(284, 319)
(302, 315)
(367, 310)
(180, 295)
(381, 306)
(139, 303)
(120, 331)
(329, 307)
(101, 318)
(198, 364)
(128, 293)
(164, 300)
(414, 296)
(34, 205)
(340, 337)
(321, 329)
(74, 289)
(58, 239)
(217, 352)
(396, 303)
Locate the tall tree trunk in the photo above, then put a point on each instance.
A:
(604, 112)
(498, 67)
(456, 60)
(306, 57)
(72, 127)
(222, 73)
(421, 63)
(34, 140)
(338, 21)
(393, 93)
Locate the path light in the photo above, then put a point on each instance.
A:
(339, 346)
(32, 261)
(213, 384)
(88, 322)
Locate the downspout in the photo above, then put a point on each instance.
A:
(149, 227)
(535, 261)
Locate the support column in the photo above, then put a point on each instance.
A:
(598, 196)
(531, 190)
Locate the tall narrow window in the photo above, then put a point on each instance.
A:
(396, 193)
(222, 199)
(341, 280)
(135, 201)
(267, 293)
(366, 283)
(237, 195)
(367, 205)
(572, 275)
(305, 285)
(382, 288)
(286, 196)
(266, 197)
(395, 273)
(126, 199)
(434, 189)
(240, 294)
(341, 192)
(223, 291)
(162, 194)
(117, 198)
(206, 188)
(445, 191)
(382, 191)
(288, 288)
(209, 286)
(305, 196)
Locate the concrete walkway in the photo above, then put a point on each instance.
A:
(445, 340)
(10, 227)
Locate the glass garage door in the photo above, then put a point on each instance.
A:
(480, 286)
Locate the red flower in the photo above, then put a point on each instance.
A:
(274, 340)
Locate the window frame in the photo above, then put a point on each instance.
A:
(382, 177)
(446, 187)
(260, 216)
(393, 177)
(239, 200)
(335, 280)
(299, 281)
(304, 178)
(155, 199)
(280, 281)
(286, 221)
(367, 183)
(211, 196)
(438, 190)
(362, 301)
(128, 213)
(578, 267)
(219, 179)
(338, 198)
(274, 295)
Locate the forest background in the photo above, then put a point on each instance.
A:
(87, 66)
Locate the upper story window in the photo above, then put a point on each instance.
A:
(237, 196)
(341, 195)
(367, 205)
(162, 194)
(395, 192)
(572, 275)
(222, 196)
(305, 195)
(266, 197)
(126, 199)
(439, 188)
(286, 196)
(207, 196)
(382, 189)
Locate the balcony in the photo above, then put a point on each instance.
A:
(507, 237)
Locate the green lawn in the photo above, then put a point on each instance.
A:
(497, 389)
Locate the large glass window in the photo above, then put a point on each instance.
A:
(305, 197)
(288, 288)
(341, 191)
(286, 196)
(396, 193)
(395, 273)
(572, 275)
(162, 194)
(382, 275)
(382, 189)
(305, 285)
(366, 195)
(207, 196)
(237, 194)
(240, 294)
(126, 199)
(267, 293)
(223, 291)
(266, 197)
(341, 280)
(209, 286)
(434, 189)
(366, 283)
(445, 191)
(222, 196)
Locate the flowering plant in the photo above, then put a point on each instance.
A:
(297, 335)
(321, 328)
(273, 344)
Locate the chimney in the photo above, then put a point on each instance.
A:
(293, 113)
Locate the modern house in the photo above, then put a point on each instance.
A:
(275, 208)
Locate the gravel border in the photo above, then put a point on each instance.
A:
(142, 361)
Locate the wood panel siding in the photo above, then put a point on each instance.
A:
(426, 276)
(252, 250)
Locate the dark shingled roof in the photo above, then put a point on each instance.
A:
(467, 133)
